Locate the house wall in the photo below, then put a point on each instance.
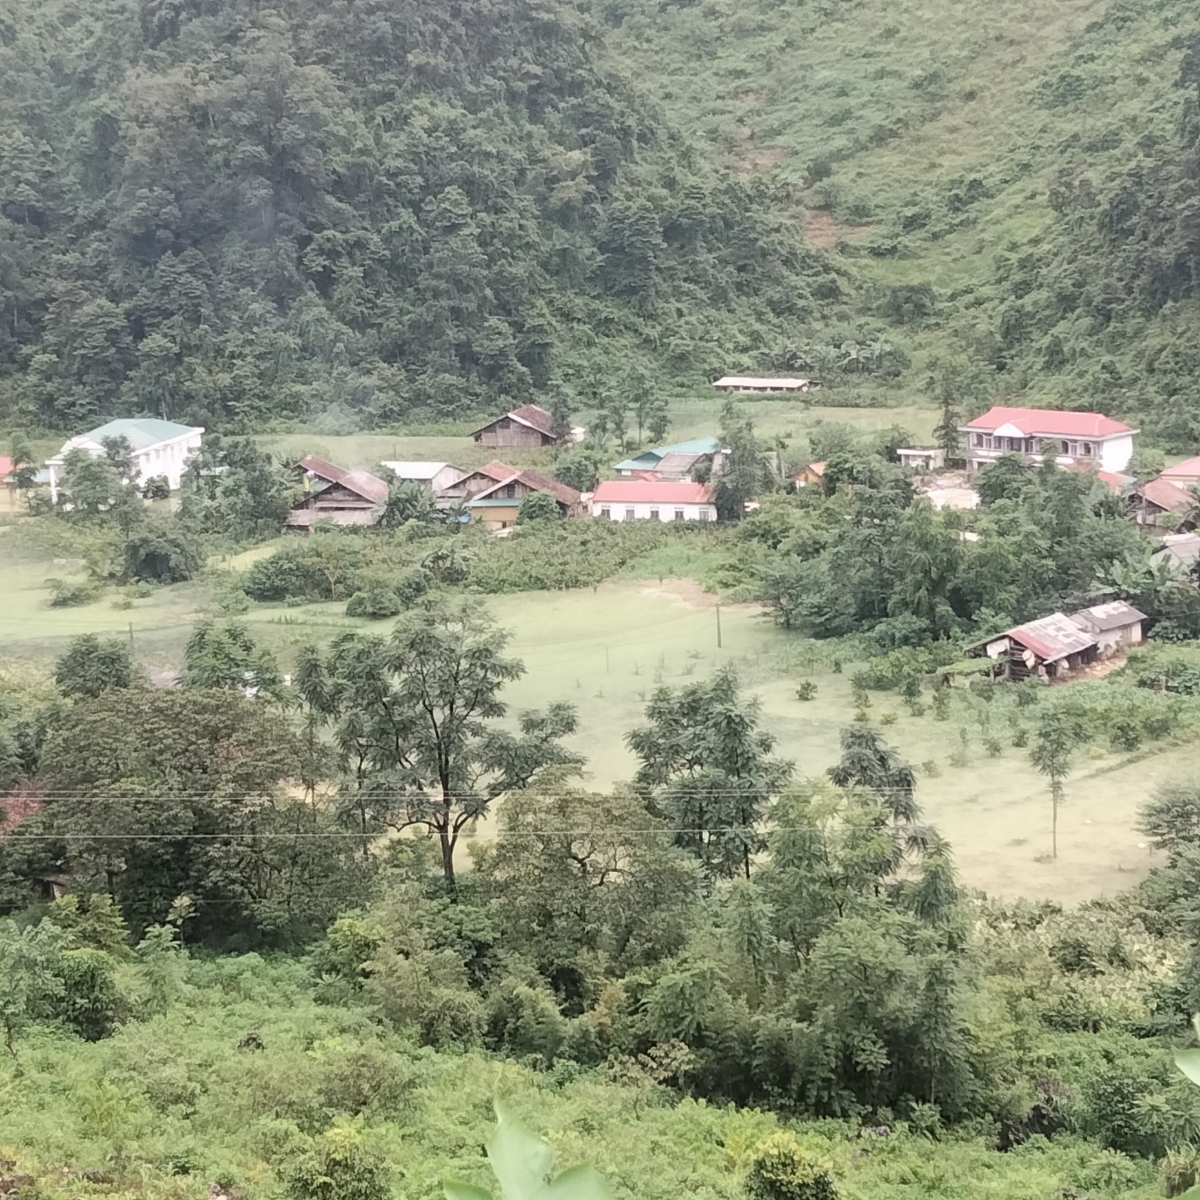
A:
(1116, 453)
(164, 458)
(498, 517)
(651, 512)
(509, 433)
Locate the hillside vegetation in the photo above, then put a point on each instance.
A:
(1011, 186)
(227, 213)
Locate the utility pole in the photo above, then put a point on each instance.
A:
(718, 625)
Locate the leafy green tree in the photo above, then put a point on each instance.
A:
(408, 501)
(708, 769)
(522, 1164)
(1171, 818)
(162, 552)
(781, 1169)
(744, 474)
(338, 1165)
(24, 468)
(537, 506)
(574, 872)
(90, 484)
(91, 666)
(1054, 747)
(579, 469)
(869, 762)
(30, 976)
(226, 657)
(415, 719)
(1008, 478)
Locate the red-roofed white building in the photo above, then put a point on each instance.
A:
(1079, 438)
(652, 500)
(1184, 474)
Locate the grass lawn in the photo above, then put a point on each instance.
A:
(606, 650)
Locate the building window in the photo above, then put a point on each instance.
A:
(630, 514)
(1086, 448)
(1065, 447)
(606, 514)
(679, 514)
(654, 514)
(977, 439)
(703, 514)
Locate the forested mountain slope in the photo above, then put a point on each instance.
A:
(225, 212)
(1013, 184)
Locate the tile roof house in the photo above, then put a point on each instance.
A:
(653, 500)
(810, 475)
(493, 494)
(1184, 473)
(339, 495)
(1077, 437)
(675, 462)
(158, 448)
(1161, 503)
(528, 426)
(1182, 549)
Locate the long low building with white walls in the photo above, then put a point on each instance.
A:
(652, 500)
(157, 449)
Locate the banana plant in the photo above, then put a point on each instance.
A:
(521, 1163)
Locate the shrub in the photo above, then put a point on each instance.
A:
(67, 594)
(540, 506)
(781, 1169)
(90, 1002)
(807, 691)
(338, 1166)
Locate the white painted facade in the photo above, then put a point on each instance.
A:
(1111, 453)
(157, 448)
(638, 511)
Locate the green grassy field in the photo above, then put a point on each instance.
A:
(605, 650)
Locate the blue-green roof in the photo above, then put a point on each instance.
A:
(141, 431)
(511, 502)
(649, 459)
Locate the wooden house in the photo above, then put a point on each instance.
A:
(436, 476)
(338, 495)
(494, 493)
(1044, 649)
(1161, 504)
(1116, 625)
(527, 426)
(812, 475)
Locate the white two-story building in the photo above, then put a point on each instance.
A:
(652, 500)
(1077, 438)
(157, 448)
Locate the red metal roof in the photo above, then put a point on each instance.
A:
(1166, 495)
(538, 482)
(323, 469)
(1187, 470)
(1114, 482)
(528, 414)
(639, 491)
(1049, 422)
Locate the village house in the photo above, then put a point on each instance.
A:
(810, 476)
(1185, 474)
(681, 461)
(497, 502)
(1054, 646)
(922, 458)
(527, 426)
(1182, 551)
(1045, 649)
(436, 476)
(1161, 504)
(1116, 625)
(1075, 437)
(339, 495)
(157, 449)
(749, 383)
(653, 500)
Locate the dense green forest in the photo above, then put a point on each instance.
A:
(231, 213)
